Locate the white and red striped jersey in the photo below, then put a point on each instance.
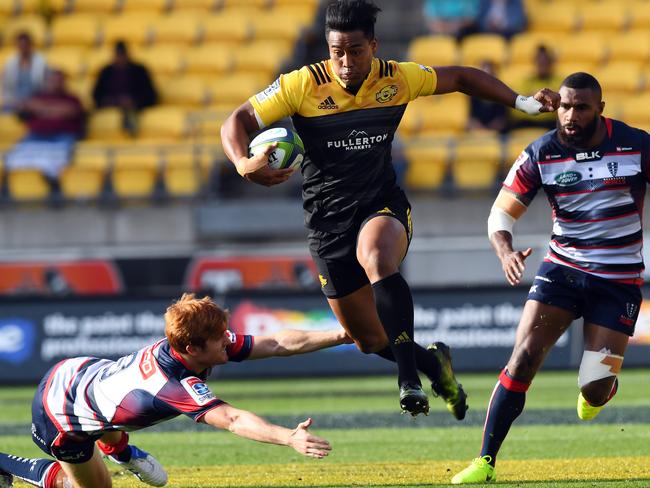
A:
(596, 197)
(136, 391)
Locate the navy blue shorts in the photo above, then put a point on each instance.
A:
(69, 447)
(600, 301)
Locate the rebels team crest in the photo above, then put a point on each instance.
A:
(612, 166)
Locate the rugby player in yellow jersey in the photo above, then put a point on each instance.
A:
(346, 110)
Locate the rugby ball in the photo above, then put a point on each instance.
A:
(289, 153)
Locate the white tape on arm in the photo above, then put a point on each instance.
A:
(499, 219)
(528, 105)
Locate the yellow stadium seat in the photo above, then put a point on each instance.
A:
(178, 28)
(33, 24)
(133, 28)
(236, 4)
(434, 50)
(448, 115)
(137, 156)
(262, 56)
(144, 5)
(184, 91)
(82, 183)
(137, 183)
(182, 181)
(515, 75)
(635, 110)
(98, 6)
(59, 6)
(98, 58)
(83, 88)
(585, 48)
(632, 46)
(553, 17)
(605, 16)
(281, 23)
(106, 125)
(205, 5)
(69, 59)
(235, 88)
(524, 46)
(209, 58)
(233, 27)
(91, 156)
(163, 124)
(8, 8)
(517, 141)
(620, 77)
(476, 163)
(160, 60)
(480, 47)
(412, 119)
(75, 29)
(639, 15)
(427, 165)
(313, 4)
(29, 6)
(27, 185)
(11, 128)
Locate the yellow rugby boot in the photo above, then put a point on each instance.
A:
(480, 471)
(586, 411)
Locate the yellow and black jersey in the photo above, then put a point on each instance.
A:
(347, 136)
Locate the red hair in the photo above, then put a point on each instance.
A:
(192, 321)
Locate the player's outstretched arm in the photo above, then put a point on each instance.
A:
(477, 83)
(247, 424)
(235, 136)
(505, 211)
(290, 342)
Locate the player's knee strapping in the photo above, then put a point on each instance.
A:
(598, 365)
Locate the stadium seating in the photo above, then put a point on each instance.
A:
(434, 50)
(82, 183)
(480, 47)
(33, 24)
(27, 185)
(427, 165)
(75, 30)
(476, 162)
(11, 129)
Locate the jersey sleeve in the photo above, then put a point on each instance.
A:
(189, 396)
(645, 156)
(523, 179)
(280, 99)
(420, 79)
(240, 347)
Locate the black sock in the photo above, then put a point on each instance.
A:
(424, 360)
(395, 309)
(37, 472)
(506, 404)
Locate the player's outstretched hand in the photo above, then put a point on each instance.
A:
(306, 443)
(257, 169)
(513, 265)
(549, 99)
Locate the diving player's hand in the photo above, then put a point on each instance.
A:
(307, 444)
(257, 169)
(513, 265)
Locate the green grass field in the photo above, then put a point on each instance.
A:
(373, 445)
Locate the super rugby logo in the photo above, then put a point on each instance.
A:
(198, 390)
(612, 166)
(568, 178)
(357, 140)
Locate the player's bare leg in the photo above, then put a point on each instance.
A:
(539, 329)
(601, 363)
(91, 474)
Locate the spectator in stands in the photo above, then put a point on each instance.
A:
(486, 115)
(56, 120)
(504, 17)
(545, 74)
(125, 84)
(23, 73)
(456, 18)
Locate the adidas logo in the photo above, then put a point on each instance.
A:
(328, 104)
(402, 338)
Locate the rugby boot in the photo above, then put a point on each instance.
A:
(6, 480)
(446, 386)
(144, 466)
(480, 471)
(413, 400)
(586, 411)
